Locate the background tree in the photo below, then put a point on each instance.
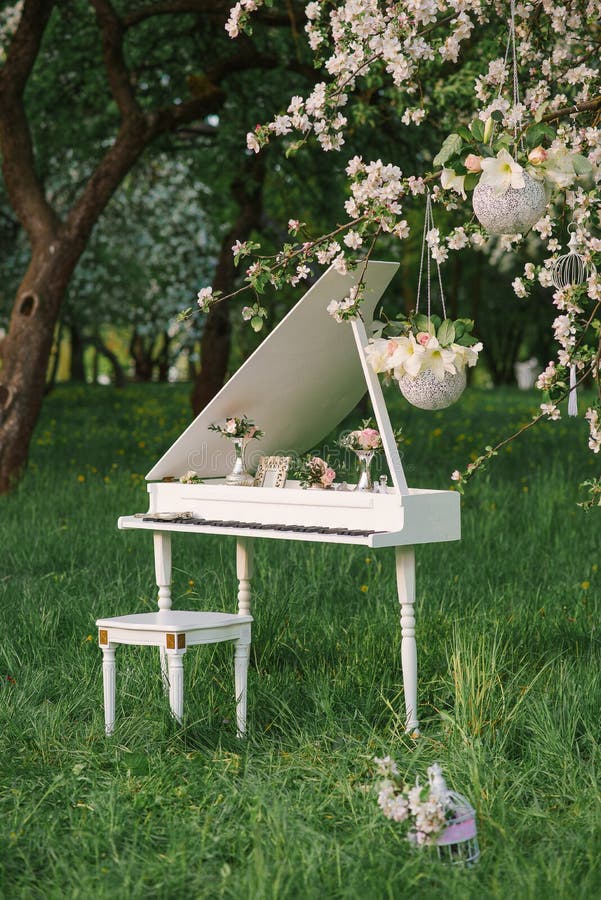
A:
(88, 88)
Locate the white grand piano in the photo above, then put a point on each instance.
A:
(305, 377)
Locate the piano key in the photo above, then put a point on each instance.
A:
(187, 519)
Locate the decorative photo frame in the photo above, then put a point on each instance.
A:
(272, 471)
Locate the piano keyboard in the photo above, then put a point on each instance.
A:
(256, 526)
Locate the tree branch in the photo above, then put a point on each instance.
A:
(215, 9)
(112, 30)
(585, 106)
(25, 190)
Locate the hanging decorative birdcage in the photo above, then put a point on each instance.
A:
(457, 843)
(570, 269)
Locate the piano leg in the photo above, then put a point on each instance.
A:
(405, 574)
(162, 570)
(244, 571)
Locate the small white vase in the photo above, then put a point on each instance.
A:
(513, 212)
(426, 391)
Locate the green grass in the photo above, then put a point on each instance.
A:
(510, 678)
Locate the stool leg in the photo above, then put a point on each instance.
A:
(241, 656)
(175, 663)
(108, 683)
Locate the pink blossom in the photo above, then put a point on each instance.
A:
(473, 163)
(537, 156)
(422, 337)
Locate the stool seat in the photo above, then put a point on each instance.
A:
(173, 631)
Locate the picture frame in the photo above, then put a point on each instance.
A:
(272, 471)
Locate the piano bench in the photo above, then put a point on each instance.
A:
(173, 631)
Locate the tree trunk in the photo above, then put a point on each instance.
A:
(103, 350)
(216, 338)
(77, 371)
(162, 359)
(142, 357)
(56, 356)
(25, 353)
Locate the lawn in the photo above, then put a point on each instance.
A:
(510, 677)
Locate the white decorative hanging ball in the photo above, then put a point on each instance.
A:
(426, 391)
(513, 212)
(569, 269)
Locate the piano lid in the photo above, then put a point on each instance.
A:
(303, 379)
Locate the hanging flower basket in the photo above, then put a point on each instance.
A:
(427, 355)
(426, 391)
(512, 212)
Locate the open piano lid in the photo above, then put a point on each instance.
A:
(297, 386)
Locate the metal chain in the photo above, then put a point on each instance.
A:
(428, 225)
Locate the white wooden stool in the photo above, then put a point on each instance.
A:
(173, 631)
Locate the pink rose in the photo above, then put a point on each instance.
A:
(251, 432)
(369, 438)
(422, 337)
(230, 426)
(473, 163)
(391, 347)
(537, 156)
(328, 477)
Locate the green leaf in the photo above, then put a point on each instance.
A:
(256, 323)
(581, 165)
(421, 322)
(464, 133)
(451, 147)
(477, 129)
(471, 180)
(446, 333)
(497, 115)
(459, 330)
(539, 132)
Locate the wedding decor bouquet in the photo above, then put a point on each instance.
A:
(238, 427)
(430, 814)
(190, 478)
(363, 439)
(313, 471)
(421, 352)
(364, 442)
(240, 430)
(511, 189)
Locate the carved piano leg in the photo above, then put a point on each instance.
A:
(405, 574)
(244, 567)
(162, 569)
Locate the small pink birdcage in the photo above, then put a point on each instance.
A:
(457, 843)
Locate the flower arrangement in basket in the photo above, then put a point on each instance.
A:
(511, 189)
(314, 472)
(432, 815)
(426, 354)
(240, 430)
